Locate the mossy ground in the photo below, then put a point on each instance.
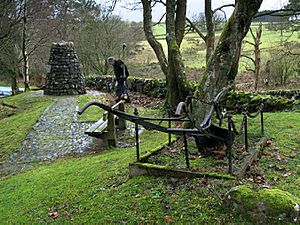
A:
(96, 188)
(264, 205)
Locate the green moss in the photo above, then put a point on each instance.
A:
(203, 174)
(255, 99)
(217, 175)
(280, 201)
(173, 45)
(250, 101)
(153, 166)
(263, 204)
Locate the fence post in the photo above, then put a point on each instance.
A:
(262, 122)
(169, 124)
(137, 144)
(121, 122)
(229, 146)
(111, 128)
(246, 130)
(186, 151)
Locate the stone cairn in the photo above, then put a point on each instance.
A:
(64, 76)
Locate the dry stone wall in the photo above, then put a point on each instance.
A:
(64, 76)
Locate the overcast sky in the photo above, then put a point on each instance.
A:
(193, 7)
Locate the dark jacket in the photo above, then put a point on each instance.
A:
(120, 70)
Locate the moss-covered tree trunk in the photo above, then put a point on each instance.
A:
(173, 66)
(222, 66)
(176, 78)
(210, 28)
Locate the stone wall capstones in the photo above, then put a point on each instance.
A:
(64, 76)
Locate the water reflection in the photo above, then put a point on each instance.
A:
(6, 91)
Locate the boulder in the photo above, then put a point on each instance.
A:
(263, 205)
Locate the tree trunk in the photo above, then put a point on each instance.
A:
(257, 55)
(222, 66)
(14, 85)
(180, 21)
(210, 27)
(156, 46)
(176, 79)
(24, 52)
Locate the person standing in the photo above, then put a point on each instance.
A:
(121, 73)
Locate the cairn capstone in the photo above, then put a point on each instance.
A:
(64, 76)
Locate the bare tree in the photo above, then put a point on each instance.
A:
(211, 19)
(284, 64)
(100, 35)
(10, 17)
(257, 59)
(24, 48)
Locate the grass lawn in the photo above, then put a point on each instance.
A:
(96, 188)
(17, 116)
(93, 113)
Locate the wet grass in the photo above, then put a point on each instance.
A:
(97, 189)
(93, 113)
(16, 121)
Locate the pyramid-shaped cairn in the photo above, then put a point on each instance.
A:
(64, 76)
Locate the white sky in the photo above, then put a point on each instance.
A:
(193, 7)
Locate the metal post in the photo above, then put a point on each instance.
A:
(186, 152)
(262, 121)
(169, 123)
(190, 102)
(246, 130)
(137, 144)
(229, 153)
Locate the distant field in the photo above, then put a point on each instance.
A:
(193, 47)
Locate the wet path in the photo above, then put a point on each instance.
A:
(56, 134)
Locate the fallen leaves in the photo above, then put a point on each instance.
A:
(292, 155)
(53, 213)
(287, 174)
(168, 219)
(265, 143)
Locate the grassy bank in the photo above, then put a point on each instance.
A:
(17, 116)
(96, 188)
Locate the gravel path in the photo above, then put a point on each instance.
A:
(57, 133)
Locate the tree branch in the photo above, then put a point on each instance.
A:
(250, 43)
(223, 6)
(195, 28)
(161, 18)
(273, 13)
(248, 57)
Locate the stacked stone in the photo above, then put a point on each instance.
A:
(64, 76)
